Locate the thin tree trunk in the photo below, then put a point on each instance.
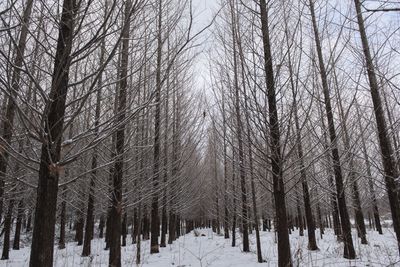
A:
(7, 230)
(395, 136)
(312, 243)
(139, 231)
(175, 166)
(284, 257)
(239, 129)
(164, 217)
(234, 198)
(369, 174)
(226, 211)
(101, 226)
(89, 227)
(349, 252)
(124, 229)
(320, 222)
(8, 222)
(155, 220)
(7, 123)
(359, 216)
(61, 240)
(79, 224)
(253, 194)
(116, 197)
(249, 140)
(17, 235)
(217, 226)
(389, 165)
(333, 196)
(299, 214)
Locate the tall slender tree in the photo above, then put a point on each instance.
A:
(389, 165)
(284, 256)
(349, 251)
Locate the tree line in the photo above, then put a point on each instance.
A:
(103, 133)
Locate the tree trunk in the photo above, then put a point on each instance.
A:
(349, 252)
(320, 222)
(46, 203)
(217, 225)
(146, 225)
(333, 196)
(90, 214)
(17, 235)
(175, 166)
(79, 224)
(389, 165)
(369, 175)
(284, 257)
(226, 212)
(155, 220)
(116, 197)
(7, 230)
(101, 227)
(61, 240)
(108, 230)
(299, 223)
(234, 194)
(359, 216)
(139, 231)
(164, 217)
(7, 123)
(89, 227)
(171, 227)
(312, 243)
(239, 130)
(124, 228)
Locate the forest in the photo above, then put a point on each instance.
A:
(199, 133)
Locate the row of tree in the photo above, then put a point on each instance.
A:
(101, 127)
(302, 107)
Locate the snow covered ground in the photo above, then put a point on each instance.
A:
(213, 250)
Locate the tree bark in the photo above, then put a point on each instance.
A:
(7, 230)
(101, 227)
(124, 229)
(284, 256)
(53, 120)
(61, 240)
(226, 211)
(234, 194)
(155, 220)
(17, 235)
(116, 197)
(164, 217)
(79, 224)
(239, 135)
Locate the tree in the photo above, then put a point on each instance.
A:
(284, 257)
(53, 120)
(349, 252)
(385, 145)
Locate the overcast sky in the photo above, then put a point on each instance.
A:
(204, 11)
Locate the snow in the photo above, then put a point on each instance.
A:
(214, 250)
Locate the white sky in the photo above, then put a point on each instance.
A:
(204, 11)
